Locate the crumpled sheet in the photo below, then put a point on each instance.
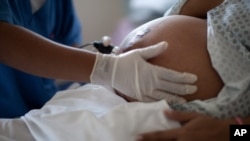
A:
(94, 113)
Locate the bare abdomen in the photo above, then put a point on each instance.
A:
(187, 51)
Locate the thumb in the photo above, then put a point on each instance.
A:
(152, 51)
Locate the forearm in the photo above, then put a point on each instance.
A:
(199, 8)
(29, 52)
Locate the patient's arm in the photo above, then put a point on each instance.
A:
(199, 8)
(186, 52)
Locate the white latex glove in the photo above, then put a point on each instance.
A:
(132, 75)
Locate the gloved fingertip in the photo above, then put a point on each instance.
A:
(163, 45)
(191, 89)
(190, 78)
(153, 50)
(158, 48)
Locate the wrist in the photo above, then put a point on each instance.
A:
(103, 70)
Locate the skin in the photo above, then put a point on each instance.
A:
(199, 9)
(180, 35)
(183, 53)
(195, 126)
(77, 64)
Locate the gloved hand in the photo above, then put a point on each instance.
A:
(130, 74)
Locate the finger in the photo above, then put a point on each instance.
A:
(166, 135)
(181, 116)
(175, 76)
(152, 51)
(176, 88)
(170, 98)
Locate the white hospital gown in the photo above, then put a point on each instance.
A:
(229, 48)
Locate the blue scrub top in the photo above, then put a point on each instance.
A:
(56, 20)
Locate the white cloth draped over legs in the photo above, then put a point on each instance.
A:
(94, 113)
